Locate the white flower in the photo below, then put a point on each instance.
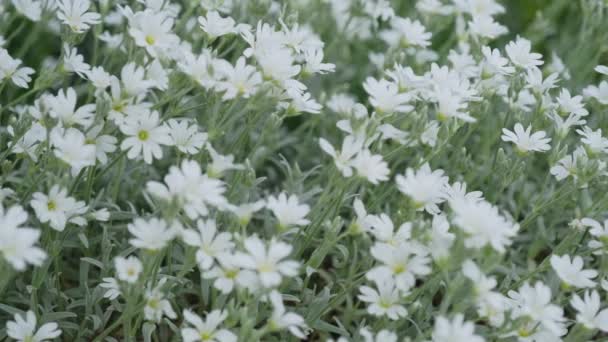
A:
(267, 261)
(288, 210)
(361, 223)
(441, 238)
(429, 135)
(343, 159)
(479, 7)
(535, 303)
(17, 242)
(99, 78)
(58, 208)
(314, 62)
(10, 70)
(588, 311)
(112, 288)
(206, 330)
(451, 105)
(371, 167)
(599, 232)
(157, 75)
(600, 93)
(384, 301)
(29, 143)
(23, 329)
(571, 271)
(74, 62)
(425, 187)
(244, 212)
(342, 104)
(157, 305)
(433, 7)
(483, 224)
(101, 215)
(385, 96)
(224, 6)
(216, 26)
(278, 64)
(153, 32)
(192, 190)
(571, 104)
(240, 80)
(210, 244)
(390, 132)
(484, 26)
(145, 135)
(153, 234)
(128, 269)
(519, 52)
(220, 163)
(569, 165)
(404, 262)
(494, 63)
(103, 143)
(74, 13)
(379, 9)
(490, 304)
(456, 330)
(602, 69)
(406, 33)
(281, 319)
(71, 147)
(525, 140)
(562, 126)
(383, 229)
(593, 140)
(299, 101)
(201, 68)
(32, 9)
(382, 336)
(187, 138)
(133, 78)
(458, 192)
(535, 81)
(63, 108)
(227, 274)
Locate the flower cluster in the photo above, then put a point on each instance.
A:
(335, 170)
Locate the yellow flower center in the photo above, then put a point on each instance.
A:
(266, 267)
(523, 332)
(150, 40)
(143, 135)
(385, 304)
(51, 205)
(231, 274)
(398, 269)
(206, 336)
(154, 303)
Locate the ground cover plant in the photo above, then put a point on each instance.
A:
(320, 170)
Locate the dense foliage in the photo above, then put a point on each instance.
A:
(324, 170)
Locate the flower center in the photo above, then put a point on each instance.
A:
(231, 274)
(206, 335)
(398, 269)
(150, 40)
(266, 267)
(153, 303)
(143, 135)
(385, 304)
(51, 205)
